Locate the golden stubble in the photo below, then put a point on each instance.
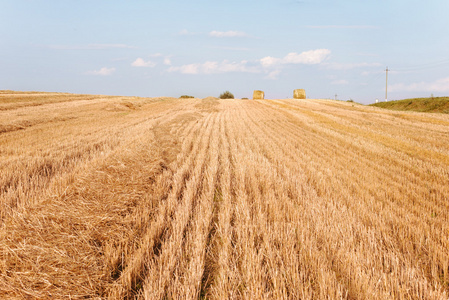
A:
(160, 198)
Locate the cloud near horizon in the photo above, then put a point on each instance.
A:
(213, 67)
(167, 61)
(216, 33)
(440, 85)
(102, 72)
(311, 57)
(140, 62)
(263, 65)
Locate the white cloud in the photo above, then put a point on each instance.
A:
(139, 62)
(440, 85)
(221, 34)
(269, 65)
(167, 61)
(311, 57)
(213, 67)
(186, 69)
(269, 61)
(209, 67)
(102, 72)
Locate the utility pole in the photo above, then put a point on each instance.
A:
(335, 96)
(386, 85)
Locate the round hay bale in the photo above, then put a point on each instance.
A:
(299, 94)
(258, 95)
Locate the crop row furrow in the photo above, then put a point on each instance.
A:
(311, 160)
(162, 267)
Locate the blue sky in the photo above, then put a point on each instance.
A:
(202, 48)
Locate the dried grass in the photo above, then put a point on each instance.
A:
(223, 199)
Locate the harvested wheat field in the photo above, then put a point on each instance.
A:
(160, 198)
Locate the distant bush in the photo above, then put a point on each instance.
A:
(244, 98)
(227, 95)
(186, 96)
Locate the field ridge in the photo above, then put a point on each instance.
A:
(432, 104)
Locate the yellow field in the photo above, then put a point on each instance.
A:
(160, 198)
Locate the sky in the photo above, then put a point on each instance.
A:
(331, 48)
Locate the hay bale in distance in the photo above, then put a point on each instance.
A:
(258, 95)
(299, 94)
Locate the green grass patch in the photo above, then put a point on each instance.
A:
(434, 105)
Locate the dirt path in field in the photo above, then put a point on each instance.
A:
(199, 199)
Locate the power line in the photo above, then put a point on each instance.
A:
(425, 66)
